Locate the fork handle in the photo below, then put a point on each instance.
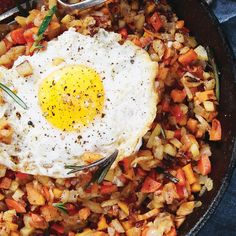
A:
(81, 5)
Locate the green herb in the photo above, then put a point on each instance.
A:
(13, 96)
(43, 27)
(167, 175)
(61, 206)
(104, 166)
(215, 71)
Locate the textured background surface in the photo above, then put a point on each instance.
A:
(223, 221)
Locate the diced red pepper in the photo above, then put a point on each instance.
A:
(29, 34)
(58, 228)
(177, 134)
(17, 36)
(150, 185)
(106, 189)
(21, 176)
(204, 165)
(181, 191)
(123, 32)
(178, 95)
(215, 132)
(156, 21)
(181, 177)
(177, 112)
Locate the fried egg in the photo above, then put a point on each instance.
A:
(86, 95)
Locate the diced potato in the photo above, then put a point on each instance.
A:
(6, 131)
(117, 226)
(3, 48)
(1, 197)
(3, 170)
(189, 174)
(185, 208)
(179, 37)
(102, 224)
(169, 134)
(18, 194)
(124, 207)
(67, 19)
(209, 106)
(201, 53)
(50, 213)
(84, 213)
(9, 215)
(196, 187)
(21, 20)
(24, 69)
(52, 3)
(54, 30)
(155, 132)
(57, 193)
(194, 149)
(93, 206)
(133, 231)
(26, 231)
(170, 149)
(34, 196)
(176, 142)
(14, 185)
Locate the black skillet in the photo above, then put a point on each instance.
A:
(205, 27)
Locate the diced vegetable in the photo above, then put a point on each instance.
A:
(189, 174)
(38, 221)
(102, 224)
(17, 36)
(204, 165)
(215, 132)
(5, 183)
(201, 53)
(150, 185)
(24, 69)
(185, 208)
(12, 204)
(34, 196)
(181, 177)
(156, 21)
(188, 57)
(156, 132)
(107, 189)
(178, 95)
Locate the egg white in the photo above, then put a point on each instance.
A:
(128, 77)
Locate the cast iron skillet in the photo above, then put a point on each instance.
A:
(205, 27)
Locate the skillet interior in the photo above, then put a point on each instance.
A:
(204, 25)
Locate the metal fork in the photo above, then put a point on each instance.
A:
(81, 5)
(9, 15)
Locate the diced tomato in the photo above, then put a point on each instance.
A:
(177, 134)
(204, 165)
(181, 177)
(58, 228)
(215, 132)
(188, 57)
(165, 105)
(12, 204)
(123, 32)
(71, 208)
(141, 172)
(177, 112)
(106, 189)
(172, 232)
(17, 36)
(178, 95)
(150, 185)
(156, 21)
(21, 176)
(29, 34)
(181, 191)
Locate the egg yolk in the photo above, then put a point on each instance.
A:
(71, 97)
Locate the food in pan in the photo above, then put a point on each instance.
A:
(77, 86)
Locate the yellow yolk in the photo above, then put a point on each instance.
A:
(71, 97)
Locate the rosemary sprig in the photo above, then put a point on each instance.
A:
(13, 96)
(167, 174)
(43, 27)
(103, 167)
(215, 71)
(61, 206)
